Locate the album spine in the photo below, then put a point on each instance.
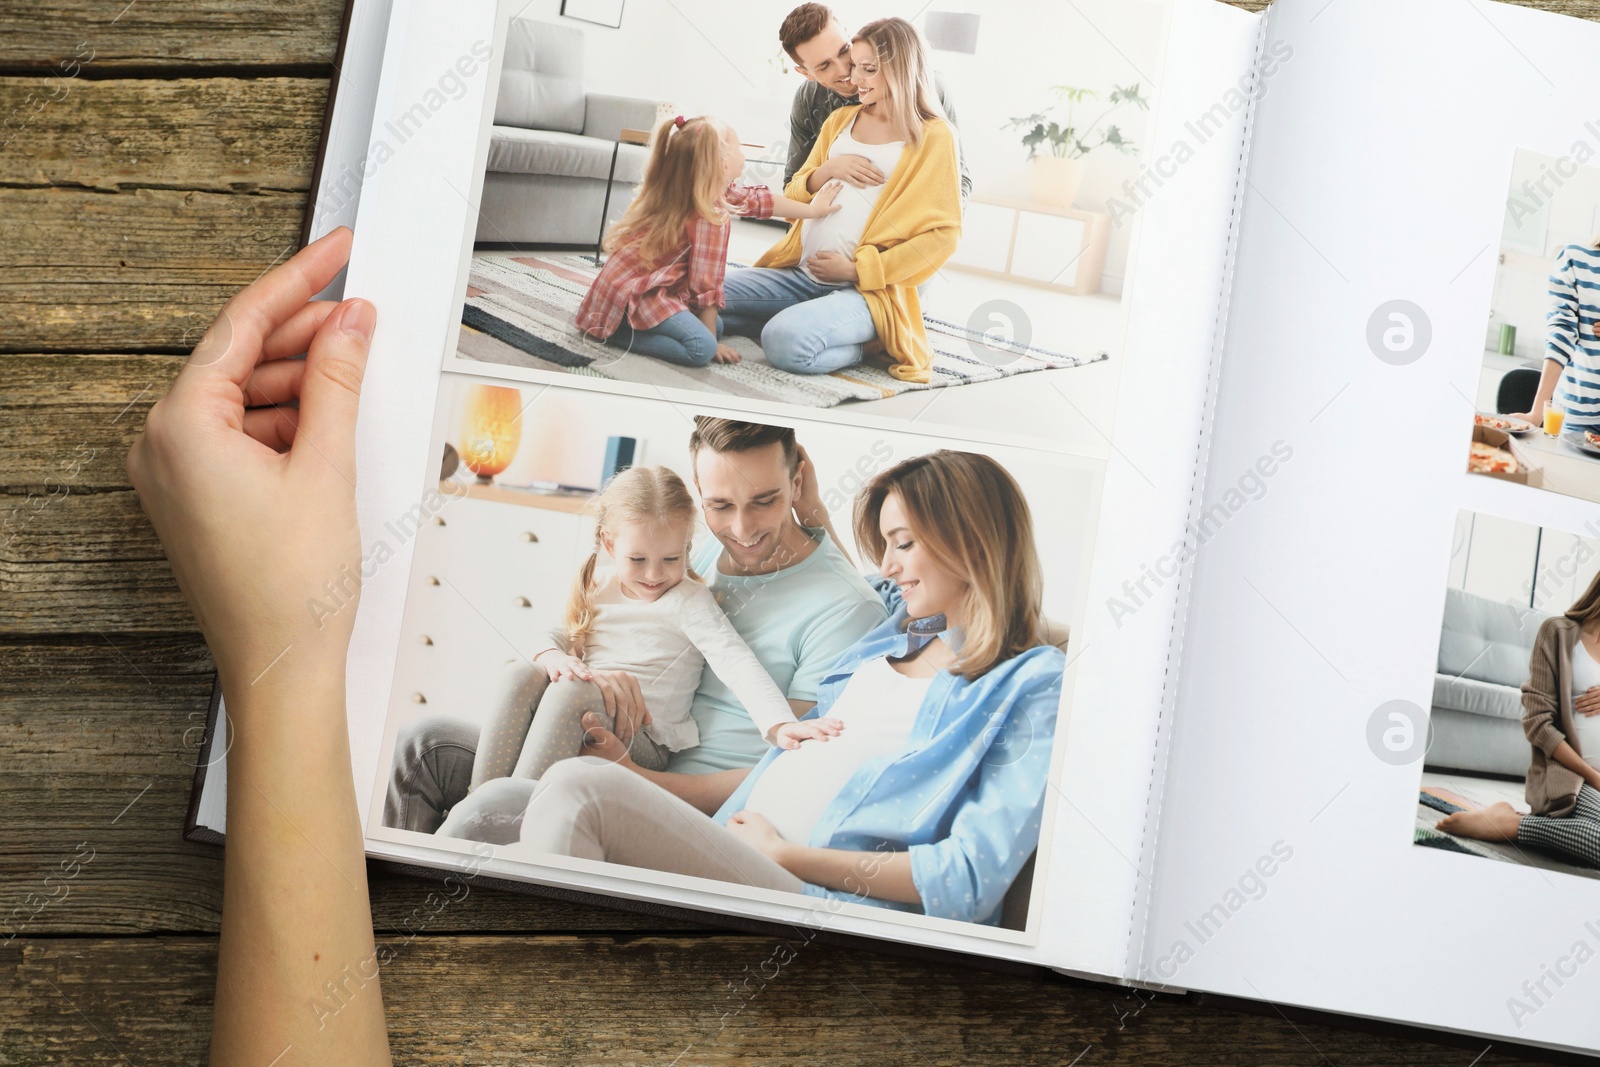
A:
(314, 193)
(1171, 671)
(192, 830)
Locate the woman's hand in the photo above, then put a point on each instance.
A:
(1588, 702)
(756, 831)
(624, 702)
(809, 510)
(254, 500)
(561, 667)
(858, 170)
(725, 354)
(833, 268)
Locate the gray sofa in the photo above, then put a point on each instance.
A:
(551, 144)
(1476, 721)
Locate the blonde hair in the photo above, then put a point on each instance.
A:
(682, 178)
(971, 516)
(903, 62)
(652, 496)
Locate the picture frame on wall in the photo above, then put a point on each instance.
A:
(600, 12)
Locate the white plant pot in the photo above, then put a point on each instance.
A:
(1056, 180)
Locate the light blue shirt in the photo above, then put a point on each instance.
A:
(966, 796)
(797, 620)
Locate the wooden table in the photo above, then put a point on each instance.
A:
(133, 201)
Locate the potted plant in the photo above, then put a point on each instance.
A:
(1056, 144)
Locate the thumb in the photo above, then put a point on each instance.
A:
(336, 364)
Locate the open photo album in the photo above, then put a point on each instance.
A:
(994, 479)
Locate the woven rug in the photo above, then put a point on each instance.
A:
(520, 309)
(1436, 801)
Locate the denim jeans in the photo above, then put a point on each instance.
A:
(682, 339)
(804, 327)
(432, 772)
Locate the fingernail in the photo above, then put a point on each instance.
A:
(358, 317)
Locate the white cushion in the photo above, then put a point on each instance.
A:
(518, 151)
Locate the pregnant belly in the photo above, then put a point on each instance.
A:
(1588, 738)
(840, 232)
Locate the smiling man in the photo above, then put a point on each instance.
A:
(819, 45)
(788, 589)
(790, 592)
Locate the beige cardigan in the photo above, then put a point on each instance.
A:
(1547, 718)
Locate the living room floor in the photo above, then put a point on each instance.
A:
(1077, 403)
(1482, 792)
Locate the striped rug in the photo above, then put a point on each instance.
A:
(520, 309)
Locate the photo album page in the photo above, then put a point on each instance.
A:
(778, 447)
(1380, 799)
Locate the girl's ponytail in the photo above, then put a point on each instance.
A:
(580, 607)
(683, 177)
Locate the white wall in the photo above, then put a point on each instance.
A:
(565, 431)
(1518, 563)
(720, 57)
(1571, 215)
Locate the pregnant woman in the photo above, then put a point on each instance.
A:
(929, 799)
(836, 284)
(1561, 716)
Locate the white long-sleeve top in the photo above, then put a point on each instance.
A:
(666, 643)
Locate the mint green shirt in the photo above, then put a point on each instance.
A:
(797, 621)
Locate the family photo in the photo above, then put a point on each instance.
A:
(1538, 403)
(1512, 769)
(810, 660)
(816, 206)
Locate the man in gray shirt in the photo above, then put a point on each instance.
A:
(820, 46)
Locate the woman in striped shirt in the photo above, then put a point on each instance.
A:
(1571, 378)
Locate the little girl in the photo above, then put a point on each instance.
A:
(659, 291)
(642, 617)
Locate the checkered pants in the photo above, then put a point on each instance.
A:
(1576, 835)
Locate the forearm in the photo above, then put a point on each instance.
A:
(708, 316)
(297, 974)
(1568, 757)
(785, 208)
(1549, 375)
(880, 875)
(704, 791)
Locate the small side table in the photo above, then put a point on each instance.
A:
(639, 137)
(1058, 248)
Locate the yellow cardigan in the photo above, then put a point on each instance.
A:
(910, 234)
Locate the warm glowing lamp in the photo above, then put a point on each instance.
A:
(491, 430)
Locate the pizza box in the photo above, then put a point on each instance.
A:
(1529, 471)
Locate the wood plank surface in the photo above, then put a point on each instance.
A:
(666, 1000)
(108, 36)
(154, 158)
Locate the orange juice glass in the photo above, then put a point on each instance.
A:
(1553, 417)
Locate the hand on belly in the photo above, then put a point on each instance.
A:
(832, 268)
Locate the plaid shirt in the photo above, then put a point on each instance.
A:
(687, 279)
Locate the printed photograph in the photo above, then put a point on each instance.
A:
(816, 205)
(1512, 771)
(798, 658)
(1538, 403)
